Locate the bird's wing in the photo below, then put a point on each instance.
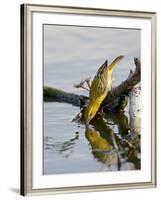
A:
(97, 89)
(101, 70)
(99, 82)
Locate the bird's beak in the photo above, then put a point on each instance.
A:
(87, 126)
(87, 123)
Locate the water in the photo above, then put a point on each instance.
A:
(69, 148)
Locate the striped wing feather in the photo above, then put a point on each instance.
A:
(99, 83)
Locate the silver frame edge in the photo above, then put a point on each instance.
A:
(26, 98)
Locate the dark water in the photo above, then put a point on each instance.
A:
(107, 145)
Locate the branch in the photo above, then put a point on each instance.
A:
(52, 94)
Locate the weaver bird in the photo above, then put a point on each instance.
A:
(100, 86)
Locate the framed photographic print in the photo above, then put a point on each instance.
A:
(88, 99)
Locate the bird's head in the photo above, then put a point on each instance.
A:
(89, 113)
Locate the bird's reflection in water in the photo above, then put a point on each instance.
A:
(101, 148)
(110, 139)
(120, 148)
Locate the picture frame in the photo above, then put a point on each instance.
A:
(32, 18)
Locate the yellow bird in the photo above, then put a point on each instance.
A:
(100, 86)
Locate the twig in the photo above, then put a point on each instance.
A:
(88, 81)
(81, 84)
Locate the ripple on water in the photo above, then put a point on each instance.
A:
(66, 149)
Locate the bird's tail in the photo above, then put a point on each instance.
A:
(112, 65)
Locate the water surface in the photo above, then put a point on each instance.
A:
(70, 148)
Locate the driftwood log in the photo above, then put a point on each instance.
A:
(53, 94)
